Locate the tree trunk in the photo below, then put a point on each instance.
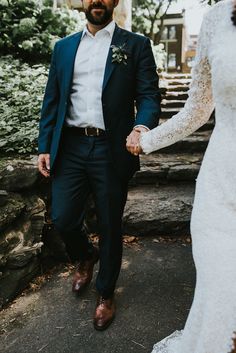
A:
(123, 14)
(158, 35)
(54, 6)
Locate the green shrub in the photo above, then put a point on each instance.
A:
(28, 31)
(21, 93)
(29, 28)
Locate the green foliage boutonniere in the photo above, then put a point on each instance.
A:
(119, 54)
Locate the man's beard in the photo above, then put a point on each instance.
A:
(99, 19)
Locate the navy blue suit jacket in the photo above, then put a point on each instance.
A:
(123, 85)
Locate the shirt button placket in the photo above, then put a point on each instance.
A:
(90, 73)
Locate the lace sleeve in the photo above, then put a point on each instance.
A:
(198, 107)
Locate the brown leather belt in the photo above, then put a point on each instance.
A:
(86, 131)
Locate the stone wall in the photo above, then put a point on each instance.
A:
(29, 244)
(21, 223)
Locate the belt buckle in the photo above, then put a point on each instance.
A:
(87, 133)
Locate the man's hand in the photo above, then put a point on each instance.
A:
(132, 141)
(44, 164)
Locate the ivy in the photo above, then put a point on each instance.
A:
(29, 29)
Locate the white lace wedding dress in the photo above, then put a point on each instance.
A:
(212, 320)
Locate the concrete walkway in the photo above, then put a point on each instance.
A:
(154, 294)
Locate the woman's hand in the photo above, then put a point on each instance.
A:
(132, 141)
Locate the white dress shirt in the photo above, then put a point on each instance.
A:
(85, 109)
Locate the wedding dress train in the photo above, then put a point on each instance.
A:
(212, 320)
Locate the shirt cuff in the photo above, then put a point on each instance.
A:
(142, 126)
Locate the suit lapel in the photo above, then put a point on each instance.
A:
(70, 58)
(119, 38)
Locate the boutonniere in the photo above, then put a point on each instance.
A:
(119, 54)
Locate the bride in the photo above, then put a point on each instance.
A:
(211, 324)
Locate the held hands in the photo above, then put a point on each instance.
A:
(44, 164)
(132, 145)
(132, 141)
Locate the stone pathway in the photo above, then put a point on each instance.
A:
(154, 294)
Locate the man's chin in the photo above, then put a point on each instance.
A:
(98, 17)
(98, 21)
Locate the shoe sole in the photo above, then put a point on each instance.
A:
(103, 328)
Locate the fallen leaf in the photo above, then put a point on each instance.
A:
(64, 274)
(127, 239)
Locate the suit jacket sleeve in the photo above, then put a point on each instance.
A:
(148, 97)
(49, 108)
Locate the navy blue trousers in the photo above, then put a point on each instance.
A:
(84, 166)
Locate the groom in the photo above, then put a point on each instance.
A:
(88, 111)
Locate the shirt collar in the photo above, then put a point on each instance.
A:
(110, 28)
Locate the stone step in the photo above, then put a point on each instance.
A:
(176, 76)
(208, 126)
(167, 113)
(195, 143)
(176, 95)
(177, 88)
(165, 168)
(175, 103)
(179, 82)
(160, 210)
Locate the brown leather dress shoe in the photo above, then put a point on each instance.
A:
(104, 313)
(84, 272)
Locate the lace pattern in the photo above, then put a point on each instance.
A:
(212, 320)
(167, 345)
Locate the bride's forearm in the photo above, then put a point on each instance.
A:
(175, 129)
